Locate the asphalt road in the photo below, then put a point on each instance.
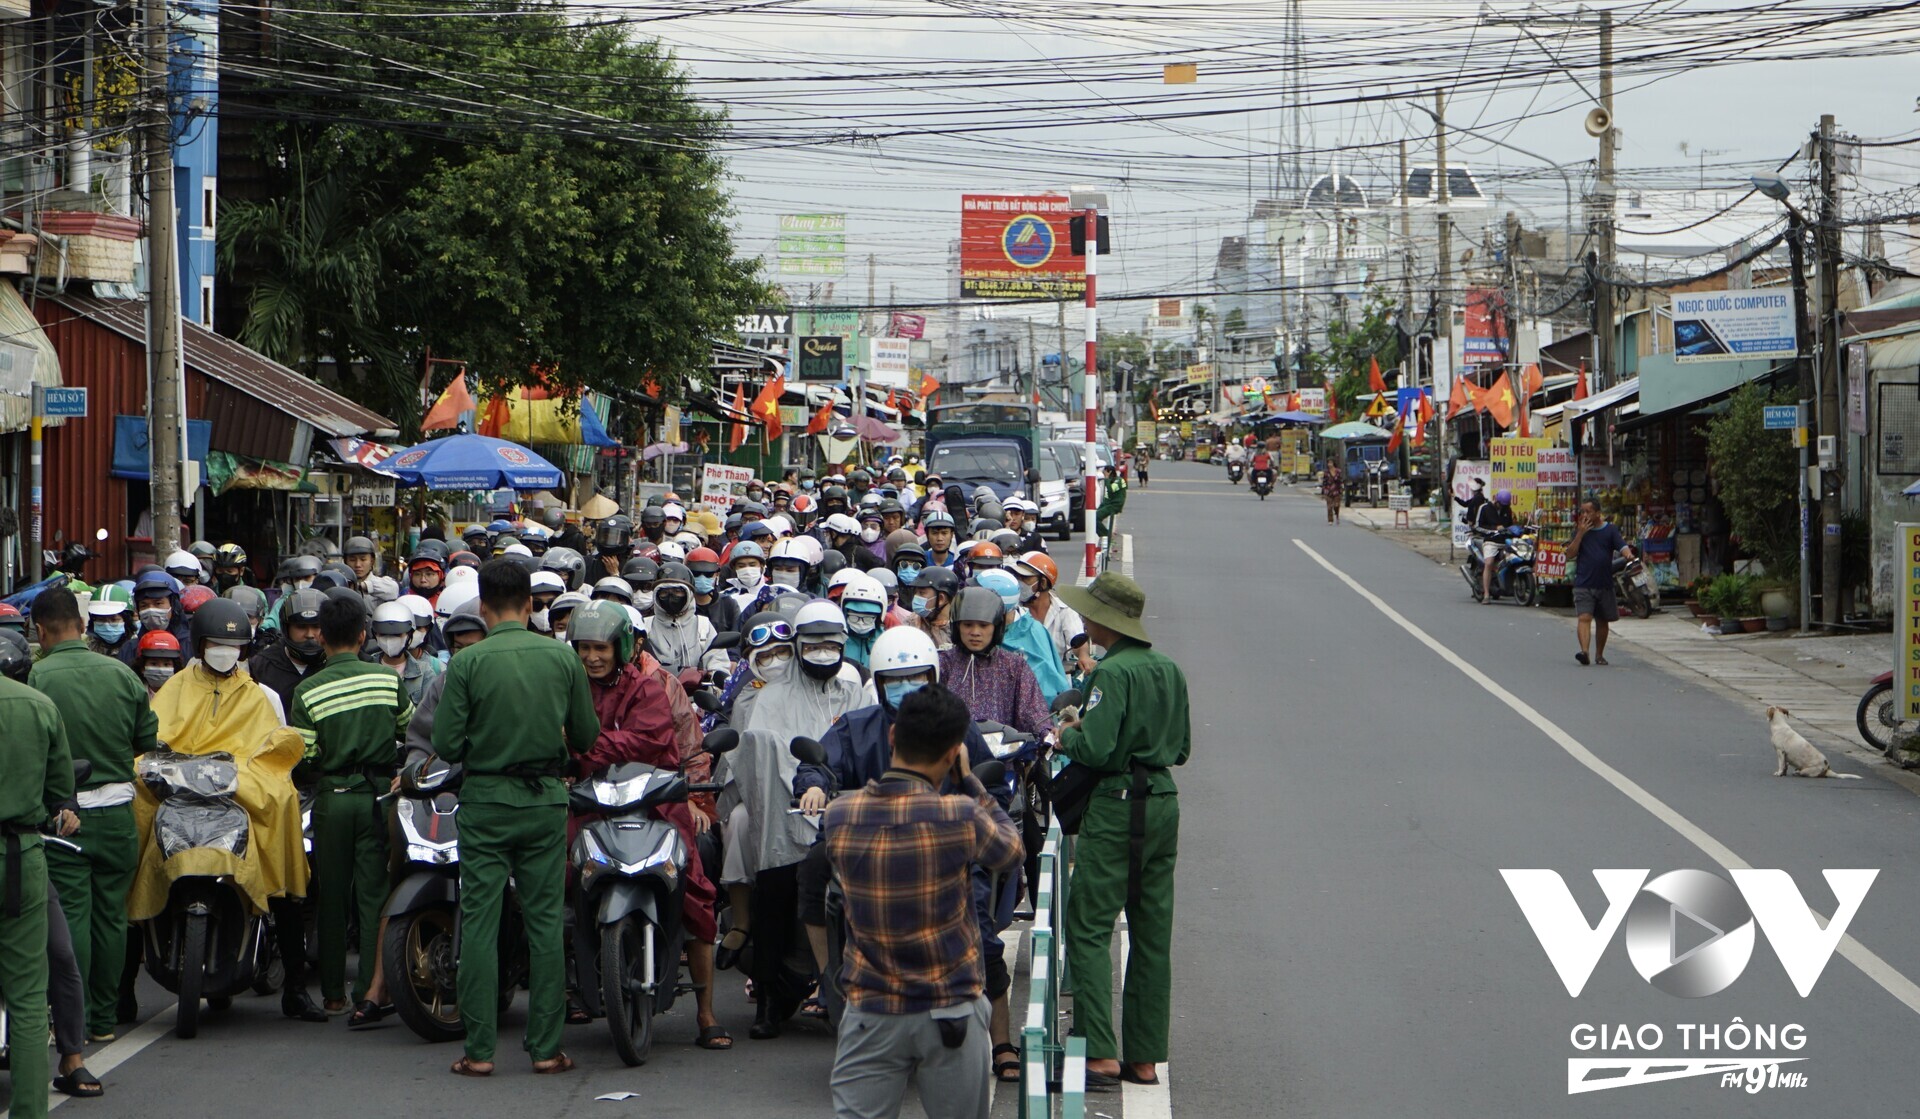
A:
(1345, 943)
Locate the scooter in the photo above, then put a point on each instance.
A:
(1234, 471)
(208, 943)
(631, 869)
(1511, 552)
(1263, 483)
(1878, 718)
(1634, 586)
(421, 947)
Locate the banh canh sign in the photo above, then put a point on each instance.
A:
(1733, 325)
(1514, 466)
(1015, 246)
(1906, 658)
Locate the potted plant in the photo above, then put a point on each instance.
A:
(1695, 591)
(1777, 598)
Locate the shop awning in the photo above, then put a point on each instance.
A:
(1626, 390)
(1896, 354)
(1705, 405)
(26, 357)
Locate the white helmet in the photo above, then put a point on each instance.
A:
(615, 587)
(687, 540)
(820, 618)
(453, 598)
(383, 588)
(841, 578)
(904, 649)
(181, 564)
(673, 512)
(862, 588)
(422, 609)
(780, 525)
(516, 549)
(534, 530)
(841, 524)
(794, 548)
(673, 550)
(458, 575)
(548, 581)
(391, 618)
(808, 549)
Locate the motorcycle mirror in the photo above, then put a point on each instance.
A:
(808, 750)
(1069, 698)
(725, 640)
(720, 740)
(706, 701)
(991, 772)
(1079, 639)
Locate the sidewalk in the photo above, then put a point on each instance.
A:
(1819, 679)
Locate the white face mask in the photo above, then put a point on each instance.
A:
(538, 620)
(221, 660)
(392, 644)
(827, 655)
(749, 576)
(773, 667)
(870, 533)
(643, 599)
(417, 639)
(787, 578)
(861, 623)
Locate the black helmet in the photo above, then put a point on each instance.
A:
(464, 619)
(656, 501)
(834, 493)
(831, 562)
(979, 604)
(300, 606)
(653, 515)
(297, 567)
(474, 532)
(983, 528)
(226, 620)
(614, 532)
(233, 555)
(673, 571)
(16, 657)
(339, 571)
(570, 565)
(358, 546)
(343, 593)
(640, 571)
(892, 505)
(912, 552)
(938, 579)
(433, 547)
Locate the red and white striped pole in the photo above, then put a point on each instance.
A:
(1092, 384)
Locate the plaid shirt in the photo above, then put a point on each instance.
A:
(903, 854)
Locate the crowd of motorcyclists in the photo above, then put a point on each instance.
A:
(727, 670)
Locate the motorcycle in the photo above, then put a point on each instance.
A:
(631, 869)
(1878, 718)
(1511, 552)
(1634, 586)
(208, 943)
(1263, 483)
(1234, 471)
(422, 942)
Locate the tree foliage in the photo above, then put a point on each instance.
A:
(506, 187)
(1343, 358)
(1753, 470)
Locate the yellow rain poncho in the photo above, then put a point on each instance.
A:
(201, 713)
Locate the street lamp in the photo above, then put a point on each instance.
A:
(1776, 188)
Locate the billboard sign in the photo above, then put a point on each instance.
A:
(905, 324)
(820, 358)
(813, 244)
(891, 361)
(1486, 327)
(1015, 246)
(1313, 401)
(1733, 325)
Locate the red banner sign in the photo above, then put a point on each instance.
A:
(905, 324)
(1017, 246)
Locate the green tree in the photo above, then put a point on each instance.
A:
(1343, 359)
(1753, 472)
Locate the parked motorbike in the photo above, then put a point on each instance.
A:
(1234, 471)
(422, 943)
(1878, 717)
(1262, 483)
(632, 874)
(208, 943)
(1511, 552)
(1634, 586)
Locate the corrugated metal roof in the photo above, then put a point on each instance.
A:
(230, 363)
(18, 326)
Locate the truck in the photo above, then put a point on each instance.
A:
(988, 445)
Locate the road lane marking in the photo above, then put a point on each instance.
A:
(1141, 1101)
(118, 1052)
(1862, 957)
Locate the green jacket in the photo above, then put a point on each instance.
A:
(1136, 710)
(33, 755)
(106, 709)
(516, 699)
(1114, 499)
(352, 714)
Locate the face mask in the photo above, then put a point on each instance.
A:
(907, 571)
(417, 639)
(870, 533)
(643, 600)
(671, 601)
(774, 669)
(392, 645)
(787, 578)
(827, 655)
(898, 690)
(749, 576)
(156, 674)
(111, 633)
(221, 660)
(703, 584)
(302, 584)
(923, 607)
(156, 618)
(861, 623)
(807, 485)
(538, 620)
(1026, 593)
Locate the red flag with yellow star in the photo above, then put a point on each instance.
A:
(766, 406)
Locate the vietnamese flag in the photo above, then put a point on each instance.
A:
(739, 434)
(1424, 413)
(928, 386)
(766, 406)
(1399, 430)
(893, 402)
(1333, 405)
(1500, 402)
(445, 413)
(1374, 380)
(1457, 400)
(821, 419)
(1580, 383)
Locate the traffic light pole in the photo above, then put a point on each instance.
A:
(1092, 389)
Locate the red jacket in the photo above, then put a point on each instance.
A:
(636, 723)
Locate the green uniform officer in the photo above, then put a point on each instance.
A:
(353, 716)
(109, 723)
(1112, 501)
(36, 779)
(1133, 725)
(513, 708)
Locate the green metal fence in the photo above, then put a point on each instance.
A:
(1053, 1066)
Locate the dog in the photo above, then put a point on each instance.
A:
(1794, 750)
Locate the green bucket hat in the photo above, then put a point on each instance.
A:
(1113, 600)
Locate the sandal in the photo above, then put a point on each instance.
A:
(1002, 1069)
(554, 1065)
(1127, 1074)
(79, 1083)
(727, 953)
(467, 1066)
(714, 1037)
(814, 1008)
(367, 1013)
(577, 1013)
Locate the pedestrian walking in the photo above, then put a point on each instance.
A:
(1595, 542)
(514, 709)
(1332, 487)
(109, 722)
(915, 972)
(1133, 726)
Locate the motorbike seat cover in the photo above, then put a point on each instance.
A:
(200, 713)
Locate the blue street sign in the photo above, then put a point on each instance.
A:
(1782, 417)
(64, 402)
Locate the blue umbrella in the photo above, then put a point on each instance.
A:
(472, 462)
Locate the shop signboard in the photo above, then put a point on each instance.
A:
(813, 244)
(1906, 648)
(1857, 388)
(721, 484)
(1313, 401)
(373, 491)
(1733, 325)
(891, 362)
(821, 358)
(1485, 323)
(1199, 374)
(1514, 466)
(905, 324)
(1554, 468)
(1465, 473)
(1016, 246)
(1549, 560)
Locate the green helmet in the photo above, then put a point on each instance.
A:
(603, 620)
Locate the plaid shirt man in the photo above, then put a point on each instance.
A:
(903, 853)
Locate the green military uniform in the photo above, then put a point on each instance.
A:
(1135, 711)
(513, 707)
(38, 773)
(109, 722)
(352, 715)
(1112, 501)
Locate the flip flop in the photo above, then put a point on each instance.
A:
(467, 1066)
(714, 1037)
(1001, 1068)
(554, 1065)
(577, 1013)
(1600, 660)
(79, 1083)
(1127, 1074)
(1582, 658)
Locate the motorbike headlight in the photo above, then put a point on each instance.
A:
(432, 854)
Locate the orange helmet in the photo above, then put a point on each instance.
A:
(158, 643)
(985, 554)
(1041, 564)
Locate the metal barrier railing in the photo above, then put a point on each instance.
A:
(1043, 1046)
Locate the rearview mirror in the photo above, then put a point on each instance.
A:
(720, 740)
(1033, 477)
(808, 750)
(1069, 698)
(706, 701)
(725, 640)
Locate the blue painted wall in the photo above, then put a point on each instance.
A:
(195, 87)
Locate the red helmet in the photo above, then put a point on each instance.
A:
(193, 597)
(160, 644)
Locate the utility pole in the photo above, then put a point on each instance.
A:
(1603, 310)
(1406, 239)
(1830, 424)
(1090, 203)
(1442, 298)
(163, 298)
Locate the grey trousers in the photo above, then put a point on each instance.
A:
(878, 1052)
(64, 992)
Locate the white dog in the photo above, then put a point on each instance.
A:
(1805, 758)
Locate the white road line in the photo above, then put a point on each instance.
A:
(1142, 1101)
(118, 1053)
(1862, 957)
